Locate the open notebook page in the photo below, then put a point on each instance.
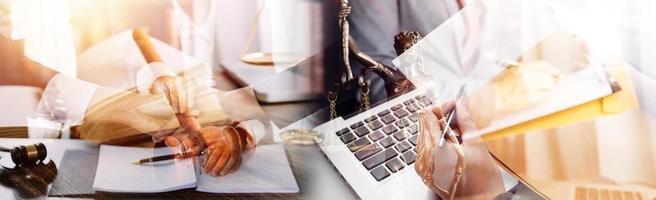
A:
(117, 173)
(265, 171)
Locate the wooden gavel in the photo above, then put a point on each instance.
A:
(168, 86)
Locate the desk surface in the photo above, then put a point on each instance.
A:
(314, 174)
(316, 177)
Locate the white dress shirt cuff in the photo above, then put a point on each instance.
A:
(149, 73)
(65, 100)
(256, 128)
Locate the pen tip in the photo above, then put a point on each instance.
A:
(138, 162)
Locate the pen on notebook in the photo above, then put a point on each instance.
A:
(447, 127)
(162, 158)
(157, 158)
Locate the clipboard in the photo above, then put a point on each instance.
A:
(619, 101)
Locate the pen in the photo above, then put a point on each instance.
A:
(163, 158)
(447, 128)
(157, 158)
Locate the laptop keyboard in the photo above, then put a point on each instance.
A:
(385, 142)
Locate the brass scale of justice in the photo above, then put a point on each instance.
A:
(395, 82)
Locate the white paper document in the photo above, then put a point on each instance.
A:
(583, 86)
(117, 173)
(267, 170)
(264, 171)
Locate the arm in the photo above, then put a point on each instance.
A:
(224, 144)
(64, 99)
(18, 69)
(455, 170)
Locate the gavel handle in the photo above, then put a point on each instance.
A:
(150, 54)
(145, 46)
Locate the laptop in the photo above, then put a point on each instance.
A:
(375, 150)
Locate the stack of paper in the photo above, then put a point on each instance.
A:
(118, 107)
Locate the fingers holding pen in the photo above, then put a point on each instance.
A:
(224, 147)
(431, 123)
(188, 145)
(428, 126)
(442, 111)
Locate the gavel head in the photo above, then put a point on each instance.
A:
(29, 154)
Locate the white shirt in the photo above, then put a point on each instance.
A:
(114, 66)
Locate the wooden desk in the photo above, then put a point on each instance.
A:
(314, 174)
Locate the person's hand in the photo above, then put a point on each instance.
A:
(438, 166)
(176, 93)
(224, 146)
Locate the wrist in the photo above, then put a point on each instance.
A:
(245, 138)
(188, 121)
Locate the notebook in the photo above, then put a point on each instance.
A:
(265, 171)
